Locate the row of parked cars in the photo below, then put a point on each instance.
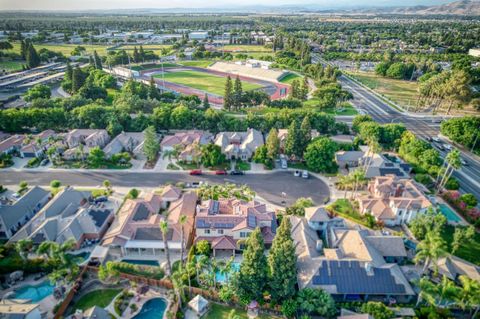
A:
(217, 172)
(438, 143)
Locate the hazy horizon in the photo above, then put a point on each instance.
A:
(71, 5)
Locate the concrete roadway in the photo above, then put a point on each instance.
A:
(269, 186)
(423, 127)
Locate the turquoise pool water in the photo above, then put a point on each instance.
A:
(35, 293)
(222, 278)
(152, 309)
(447, 212)
(141, 262)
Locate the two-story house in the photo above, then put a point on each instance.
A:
(239, 145)
(393, 200)
(227, 223)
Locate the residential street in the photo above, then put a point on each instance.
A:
(268, 186)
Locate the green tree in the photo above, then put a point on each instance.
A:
(32, 58)
(78, 79)
(377, 309)
(316, 301)
(203, 247)
(228, 95)
(55, 184)
(320, 155)
(164, 230)
(237, 93)
(96, 157)
(151, 146)
(283, 263)
(23, 247)
(430, 249)
(293, 142)
(253, 274)
(469, 295)
(212, 155)
(153, 92)
(206, 103)
(97, 60)
(305, 132)
(272, 144)
(453, 162)
(39, 91)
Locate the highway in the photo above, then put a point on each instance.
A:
(422, 127)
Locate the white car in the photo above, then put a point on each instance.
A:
(305, 174)
(448, 147)
(436, 139)
(296, 173)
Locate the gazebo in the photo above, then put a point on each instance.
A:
(199, 305)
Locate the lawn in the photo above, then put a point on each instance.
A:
(404, 93)
(246, 48)
(289, 78)
(156, 48)
(203, 81)
(100, 298)
(197, 63)
(345, 110)
(218, 311)
(153, 66)
(467, 251)
(242, 166)
(66, 49)
(344, 208)
(11, 66)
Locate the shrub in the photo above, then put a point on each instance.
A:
(452, 184)
(203, 248)
(289, 308)
(469, 199)
(139, 270)
(55, 184)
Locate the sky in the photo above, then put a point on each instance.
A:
(159, 4)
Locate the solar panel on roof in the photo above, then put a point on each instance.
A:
(350, 277)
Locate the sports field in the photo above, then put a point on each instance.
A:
(203, 81)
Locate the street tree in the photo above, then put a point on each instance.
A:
(272, 144)
(151, 146)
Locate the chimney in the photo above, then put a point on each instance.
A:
(369, 269)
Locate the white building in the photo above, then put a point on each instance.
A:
(474, 52)
(198, 35)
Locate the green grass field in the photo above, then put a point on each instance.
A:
(402, 92)
(246, 48)
(100, 298)
(289, 78)
(151, 66)
(468, 251)
(65, 49)
(203, 81)
(11, 66)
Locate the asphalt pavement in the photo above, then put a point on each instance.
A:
(280, 188)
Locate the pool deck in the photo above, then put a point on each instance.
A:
(139, 300)
(462, 221)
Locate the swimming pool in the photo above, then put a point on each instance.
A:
(141, 262)
(35, 293)
(152, 309)
(222, 278)
(447, 212)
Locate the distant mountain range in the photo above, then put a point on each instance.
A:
(462, 7)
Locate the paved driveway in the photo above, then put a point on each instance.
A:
(269, 186)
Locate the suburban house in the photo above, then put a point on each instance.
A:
(131, 142)
(226, 223)
(393, 201)
(11, 144)
(454, 267)
(239, 145)
(283, 134)
(14, 216)
(358, 265)
(319, 219)
(187, 142)
(37, 145)
(89, 138)
(19, 308)
(136, 228)
(349, 159)
(69, 215)
(381, 165)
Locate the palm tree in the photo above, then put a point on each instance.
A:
(448, 292)
(427, 291)
(23, 247)
(453, 162)
(430, 249)
(358, 177)
(178, 285)
(469, 295)
(164, 230)
(373, 148)
(182, 221)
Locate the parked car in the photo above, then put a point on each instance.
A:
(440, 147)
(196, 172)
(237, 172)
(100, 199)
(44, 162)
(220, 172)
(196, 184)
(464, 162)
(296, 173)
(305, 174)
(448, 147)
(284, 163)
(436, 139)
(428, 138)
(16, 195)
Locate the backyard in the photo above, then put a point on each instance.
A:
(469, 251)
(218, 311)
(100, 298)
(344, 208)
(203, 81)
(404, 93)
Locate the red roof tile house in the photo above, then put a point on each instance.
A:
(393, 200)
(188, 142)
(226, 223)
(136, 228)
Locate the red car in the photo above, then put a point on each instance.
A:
(220, 172)
(196, 172)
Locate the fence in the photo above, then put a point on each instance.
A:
(68, 299)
